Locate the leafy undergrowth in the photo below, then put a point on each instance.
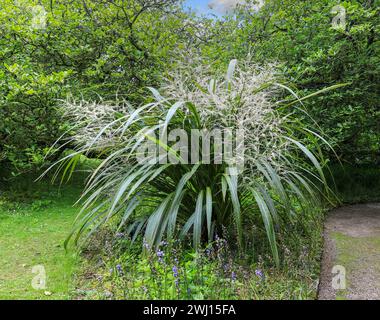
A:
(111, 271)
(34, 221)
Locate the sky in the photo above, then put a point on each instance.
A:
(202, 6)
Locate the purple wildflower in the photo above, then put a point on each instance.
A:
(146, 244)
(208, 252)
(175, 271)
(160, 255)
(233, 276)
(259, 273)
(119, 268)
(163, 243)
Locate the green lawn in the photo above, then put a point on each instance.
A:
(32, 231)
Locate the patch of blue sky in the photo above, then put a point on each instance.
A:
(201, 7)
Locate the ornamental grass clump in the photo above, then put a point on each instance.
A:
(246, 167)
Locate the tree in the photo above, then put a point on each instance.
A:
(314, 53)
(85, 48)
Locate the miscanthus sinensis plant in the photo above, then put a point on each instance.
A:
(280, 181)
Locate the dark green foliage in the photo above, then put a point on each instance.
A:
(356, 184)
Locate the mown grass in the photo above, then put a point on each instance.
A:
(35, 219)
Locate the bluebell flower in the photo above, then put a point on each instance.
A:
(160, 255)
(119, 268)
(145, 244)
(175, 271)
(233, 276)
(259, 273)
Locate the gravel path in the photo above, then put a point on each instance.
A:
(352, 241)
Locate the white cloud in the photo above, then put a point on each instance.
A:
(224, 6)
